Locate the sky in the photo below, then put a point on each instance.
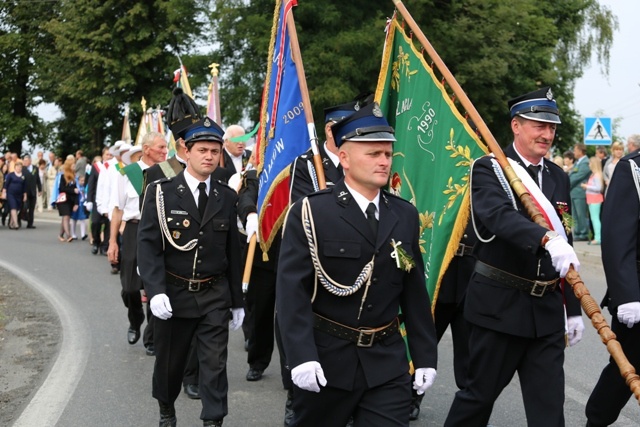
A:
(619, 95)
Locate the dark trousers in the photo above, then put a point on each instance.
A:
(611, 394)
(192, 370)
(172, 339)
(131, 282)
(97, 222)
(31, 207)
(451, 314)
(261, 302)
(494, 359)
(383, 406)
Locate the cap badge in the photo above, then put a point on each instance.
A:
(207, 122)
(550, 95)
(376, 110)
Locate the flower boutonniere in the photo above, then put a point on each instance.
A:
(403, 259)
(567, 219)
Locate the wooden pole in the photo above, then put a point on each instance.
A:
(589, 305)
(251, 250)
(308, 113)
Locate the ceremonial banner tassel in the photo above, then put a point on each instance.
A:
(213, 100)
(589, 305)
(433, 153)
(283, 128)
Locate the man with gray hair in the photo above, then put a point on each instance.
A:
(125, 199)
(235, 156)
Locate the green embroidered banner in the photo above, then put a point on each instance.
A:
(433, 153)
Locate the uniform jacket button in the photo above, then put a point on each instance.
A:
(200, 247)
(201, 233)
(199, 261)
(374, 280)
(370, 307)
(342, 250)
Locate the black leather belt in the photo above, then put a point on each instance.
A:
(362, 337)
(192, 285)
(133, 221)
(534, 287)
(464, 250)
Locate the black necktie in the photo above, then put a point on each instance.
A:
(371, 218)
(202, 198)
(533, 171)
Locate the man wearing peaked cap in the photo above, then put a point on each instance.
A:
(340, 287)
(514, 304)
(190, 263)
(303, 174)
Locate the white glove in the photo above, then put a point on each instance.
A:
(161, 307)
(424, 379)
(575, 327)
(304, 376)
(562, 255)
(88, 206)
(237, 317)
(629, 313)
(252, 226)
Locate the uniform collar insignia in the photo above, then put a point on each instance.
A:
(181, 189)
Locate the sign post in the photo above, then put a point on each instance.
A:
(597, 131)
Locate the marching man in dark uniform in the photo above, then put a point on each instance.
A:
(621, 262)
(514, 301)
(190, 263)
(304, 180)
(349, 261)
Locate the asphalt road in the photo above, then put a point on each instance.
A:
(98, 379)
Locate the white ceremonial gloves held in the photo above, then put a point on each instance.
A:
(575, 327)
(629, 313)
(88, 206)
(252, 226)
(161, 307)
(308, 375)
(562, 255)
(424, 379)
(237, 317)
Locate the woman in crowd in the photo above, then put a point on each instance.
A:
(15, 192)
(617, 151)
(569, 159)
(80, 215)
(67, 201)
(52, 173)
(594, 187)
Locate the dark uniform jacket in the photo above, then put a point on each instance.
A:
(216, 253)
(248, 203)
(92, 184)
(621, 235)
(301, 182)
(228, 163)
(345, 245)
(515, 249)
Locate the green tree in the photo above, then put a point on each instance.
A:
(22, 40)
(108, 53)
(497, 49)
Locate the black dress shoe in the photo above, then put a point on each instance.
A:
(150, 350)
(212, 423)
(31, 226)
(192, 391)
(133, 335)
(94, 250)
(254, 374)
(114, 270)
(167, 416)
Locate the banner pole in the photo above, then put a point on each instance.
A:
(589, 305)
(308, 113)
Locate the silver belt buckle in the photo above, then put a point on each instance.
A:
(365, 339)
(538, 288)
(193, 286)
(460, 251)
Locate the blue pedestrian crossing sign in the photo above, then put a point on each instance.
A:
(597, 131)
